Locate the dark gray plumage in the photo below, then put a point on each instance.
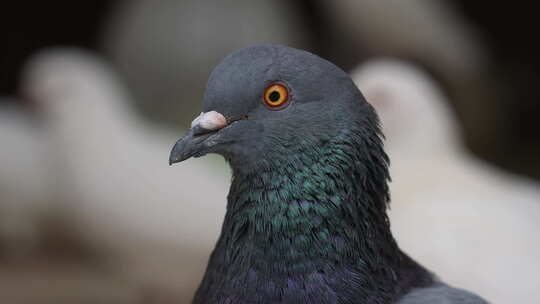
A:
(440, 293)
(306, 216)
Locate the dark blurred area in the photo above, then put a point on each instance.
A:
(28, 27)
(485, 56)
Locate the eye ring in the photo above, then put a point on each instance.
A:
(276, 96)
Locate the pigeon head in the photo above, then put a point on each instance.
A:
(262, 100)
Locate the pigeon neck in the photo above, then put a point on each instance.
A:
(311, 227)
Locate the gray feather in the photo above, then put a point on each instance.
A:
(440, 293)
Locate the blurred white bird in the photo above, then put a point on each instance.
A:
(471, 223)
(26, 182)
(114, 169)
(178, 43)
(434, 31)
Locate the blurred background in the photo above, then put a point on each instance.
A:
(94, 94)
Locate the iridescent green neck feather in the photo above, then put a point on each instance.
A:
(310, 226)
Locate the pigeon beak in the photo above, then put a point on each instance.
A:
(197, 140)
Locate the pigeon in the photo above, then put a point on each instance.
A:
(126, 201)
(306, 213)
(446, 201)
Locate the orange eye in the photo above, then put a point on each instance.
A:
(276, 96)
